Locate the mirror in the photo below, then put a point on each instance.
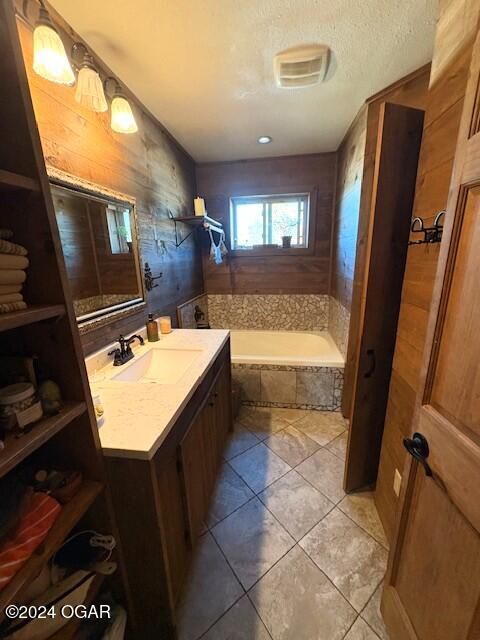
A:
(99, 240)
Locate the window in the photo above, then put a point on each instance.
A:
(258, 221)
(119, 229)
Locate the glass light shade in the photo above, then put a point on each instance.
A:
(89, 92)
(122, 116)
(49, 57)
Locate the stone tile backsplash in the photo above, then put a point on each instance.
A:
(338, 324)
(273, 311)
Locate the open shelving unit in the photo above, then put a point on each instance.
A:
(70, 514)
(196, 222)
(47, 329)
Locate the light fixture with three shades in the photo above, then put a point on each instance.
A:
(50, 61)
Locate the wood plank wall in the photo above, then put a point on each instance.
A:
(453, 44)
(148, 165)
(350, 161)
(217, 182)
(410, 91)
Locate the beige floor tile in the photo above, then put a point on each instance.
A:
(230, 493)
(360, 507)
(325, 471)
(262, 421)
(322, 426)
(239, 441)
(361, 631)
(241, 622)
(210, 590)
(252, 541)
(339, 445)
(291, 445)
(259, 467)
(352, 559)
(297, 602)
(295, 503)
(290, 415)
(373, 616)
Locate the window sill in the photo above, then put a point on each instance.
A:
(270, 251)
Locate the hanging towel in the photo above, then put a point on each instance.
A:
(12, 276)
(6, 234)
(12, 248)
(10, 288)
(12, 306)
(13, 262)
(10, 297)
(215, 249)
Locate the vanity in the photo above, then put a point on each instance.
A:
(167, 417)
(167, 407)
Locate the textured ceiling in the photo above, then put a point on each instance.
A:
(204, 67)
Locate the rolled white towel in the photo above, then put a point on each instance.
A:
(12, 276)
(7, 261)
(10, 297)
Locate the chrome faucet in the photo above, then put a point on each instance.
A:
(125, 353)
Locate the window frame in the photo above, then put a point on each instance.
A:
(266, 192)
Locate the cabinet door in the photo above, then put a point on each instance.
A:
(192, 454)
(223, 405)
(211, 450)
(176, 547)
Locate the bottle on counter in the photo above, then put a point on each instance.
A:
(152, 329)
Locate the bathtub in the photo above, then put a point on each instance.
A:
(301, 348)
(291, 369)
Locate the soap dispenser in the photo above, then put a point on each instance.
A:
(152, 329)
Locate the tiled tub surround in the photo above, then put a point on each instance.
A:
(338, 324)
(277, 312)
(294, 387)
(292, 369)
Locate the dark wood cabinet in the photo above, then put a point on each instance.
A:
(161, 504)
(193, 449)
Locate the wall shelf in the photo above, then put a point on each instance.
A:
(10, 181)
(29, 315)
(194, 221)
(69, 516)
(17, 449)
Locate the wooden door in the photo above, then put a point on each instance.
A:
(432, 589)
(396, 161)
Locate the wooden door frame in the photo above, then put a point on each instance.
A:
(365, 435)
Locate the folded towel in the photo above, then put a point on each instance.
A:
(13, 262)
(11, 247)
(10, 288)
(12, 306)
(10, 297)
(6, 234)
(12, 276)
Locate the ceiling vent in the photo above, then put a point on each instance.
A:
(301, 66)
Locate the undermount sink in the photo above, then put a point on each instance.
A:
(164, 366)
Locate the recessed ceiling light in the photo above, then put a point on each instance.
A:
(264, 139)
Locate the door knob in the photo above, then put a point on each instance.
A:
(418, 448)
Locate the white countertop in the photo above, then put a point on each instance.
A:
(138, 415)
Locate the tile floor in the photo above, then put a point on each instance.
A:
(286, 554)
